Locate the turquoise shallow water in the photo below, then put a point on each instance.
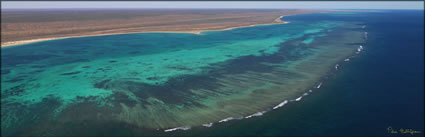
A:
(160, 81)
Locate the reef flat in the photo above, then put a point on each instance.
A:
(168, 80)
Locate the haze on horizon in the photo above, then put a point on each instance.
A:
(216, 4)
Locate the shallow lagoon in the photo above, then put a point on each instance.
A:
(166, 80)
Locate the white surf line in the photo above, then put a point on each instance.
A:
(178, 128)
(299, 98)
(207, 125)
(226, 119)
(347, 59)
(280, 104)
(256, 114)
(230, 118)
(359, 49)
(318, 86)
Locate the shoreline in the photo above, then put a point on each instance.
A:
(197, 32)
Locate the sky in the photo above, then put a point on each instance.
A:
(216, 4)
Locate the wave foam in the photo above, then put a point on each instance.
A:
(299, 98)
(256, 114)
(178, 128)
(280, 104)
(207, 125)
(230, 118)
(320, 84)
(359, 49)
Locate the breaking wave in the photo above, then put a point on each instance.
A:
(178, 128)
(256, 114)
(231, 118)
(320, 84)
(280, 104)
(207, 125)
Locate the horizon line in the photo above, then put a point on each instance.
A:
(212, 8)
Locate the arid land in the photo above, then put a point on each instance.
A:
(26, 26)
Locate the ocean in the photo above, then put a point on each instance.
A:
(225, 83)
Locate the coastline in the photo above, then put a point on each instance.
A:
(197, 32)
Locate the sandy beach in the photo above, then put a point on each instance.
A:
(20, 42)
(15, 34)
